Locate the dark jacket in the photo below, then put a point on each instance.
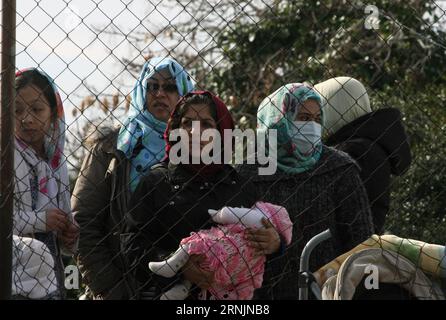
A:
(169, 204)
(379, 144)
(330, 196)
(99, 200)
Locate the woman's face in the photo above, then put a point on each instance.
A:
(201, 113)
(310, 111)
(162, 95)
(33, 116)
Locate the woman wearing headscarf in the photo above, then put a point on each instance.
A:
(113, 168)
(41, 191)
(174, 199)
(376, 140)
(319, 186)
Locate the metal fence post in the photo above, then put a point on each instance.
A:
(7, 145)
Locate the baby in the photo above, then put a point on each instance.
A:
(237, 270)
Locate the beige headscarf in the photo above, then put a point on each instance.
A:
(344, 99)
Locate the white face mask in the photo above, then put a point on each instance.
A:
(306, 135)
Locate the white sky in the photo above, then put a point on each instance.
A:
(68, 39)
(51, 35)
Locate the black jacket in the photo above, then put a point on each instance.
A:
(379, 144)
(169, 204)
(330, 196)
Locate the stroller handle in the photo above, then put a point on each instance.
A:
(304, 274)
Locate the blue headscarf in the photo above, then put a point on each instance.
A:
(142, 125)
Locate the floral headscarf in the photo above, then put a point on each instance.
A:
(278, 111)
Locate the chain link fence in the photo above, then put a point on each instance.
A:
(354, 91)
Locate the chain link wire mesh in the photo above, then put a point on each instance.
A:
(391, 122)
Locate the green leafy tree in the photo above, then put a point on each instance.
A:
(243, 50)
(402, 61)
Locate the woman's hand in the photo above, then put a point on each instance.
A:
(193, 273)
(264, 241)
(70, 235)
(56, 220)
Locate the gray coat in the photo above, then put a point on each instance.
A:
(99, 202)
(329, 196)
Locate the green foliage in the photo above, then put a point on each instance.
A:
(403, 64)
(419, 197)
(304, 40)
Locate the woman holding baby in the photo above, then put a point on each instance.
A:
(175, 199)
(318, 185)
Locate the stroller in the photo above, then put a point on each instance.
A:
(381, 268)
